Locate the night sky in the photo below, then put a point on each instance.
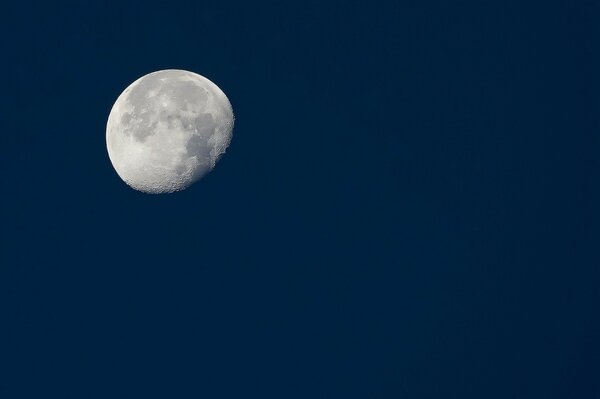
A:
(409, 208)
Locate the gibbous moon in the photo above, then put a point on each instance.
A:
(167, 130)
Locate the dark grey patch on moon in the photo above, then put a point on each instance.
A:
(139, 124)
(204, 125)
(198, 146)
(125, 118)
(142, 128)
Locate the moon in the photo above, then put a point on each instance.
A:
(167, 130)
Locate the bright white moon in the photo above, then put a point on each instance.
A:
(167, 130)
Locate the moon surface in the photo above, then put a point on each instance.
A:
(167, 130)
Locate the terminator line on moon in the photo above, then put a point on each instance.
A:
(167, 130)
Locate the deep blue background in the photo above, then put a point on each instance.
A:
(410, 206)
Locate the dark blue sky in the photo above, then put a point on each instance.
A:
(409, 207)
